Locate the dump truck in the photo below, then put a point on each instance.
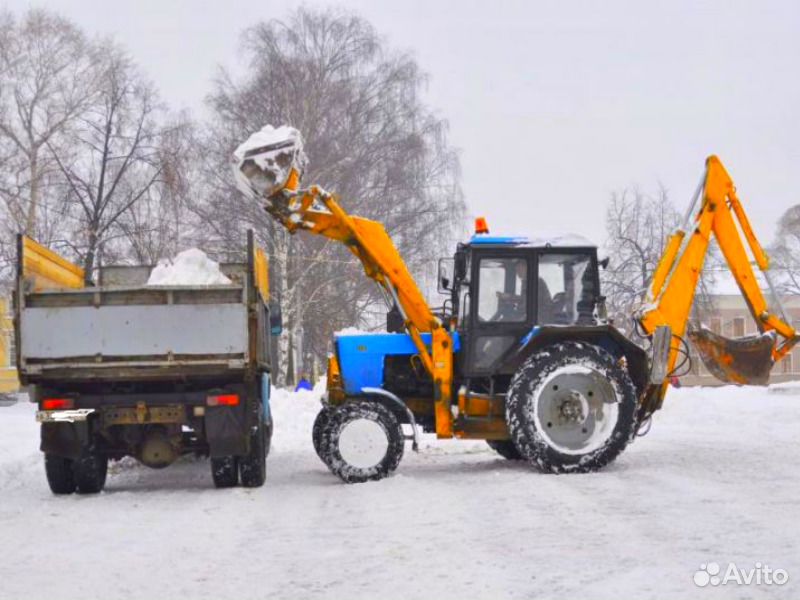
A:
(522, 355)
(122, 368)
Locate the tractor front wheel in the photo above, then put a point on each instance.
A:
(320, 423)
(571, 408)
(362, 441)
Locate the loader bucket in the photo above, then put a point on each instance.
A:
(743, 361)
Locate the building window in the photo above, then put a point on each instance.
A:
(716, 325)
(738, 327)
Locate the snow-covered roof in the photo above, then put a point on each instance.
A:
(558, 240)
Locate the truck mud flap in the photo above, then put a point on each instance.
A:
(226, 431)
(64, 439)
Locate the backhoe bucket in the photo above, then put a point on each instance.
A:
(743, 361)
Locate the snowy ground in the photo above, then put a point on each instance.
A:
(715, 480)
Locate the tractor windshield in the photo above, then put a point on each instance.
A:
(566, 289)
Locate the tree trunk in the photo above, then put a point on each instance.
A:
(33, 204)
(88, 261)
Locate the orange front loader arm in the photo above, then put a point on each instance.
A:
(369, 241)
(669, 300)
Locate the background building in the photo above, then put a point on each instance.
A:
(8, 371)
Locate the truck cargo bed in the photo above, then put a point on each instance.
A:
(127, 330)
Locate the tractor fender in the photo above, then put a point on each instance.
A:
(395, 404)
(607, 337)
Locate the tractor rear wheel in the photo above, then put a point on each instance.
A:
(505, 448)
(363, 441)
(571, 408)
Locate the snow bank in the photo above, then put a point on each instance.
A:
(714, 480)
(190, 267)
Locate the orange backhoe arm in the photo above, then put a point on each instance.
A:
(670, 297)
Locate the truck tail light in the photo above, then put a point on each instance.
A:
(58, 403)
(223, 400)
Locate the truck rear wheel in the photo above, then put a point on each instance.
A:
(571, 408)
(363, 441)
(253, 467)
(59, 474)
(90, 472)
(225, 471)
(505, 448)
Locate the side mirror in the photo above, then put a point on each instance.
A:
(604, 263)
(275, 319)
(445, 278)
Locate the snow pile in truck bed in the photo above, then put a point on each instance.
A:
(190, 267)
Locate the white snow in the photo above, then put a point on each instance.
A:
(544, 239)
(355, 331)
(190, 267)
(716, 480)
(566, 240)
(268, 135)
(273, 173)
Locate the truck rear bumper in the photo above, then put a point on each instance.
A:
(63, 416)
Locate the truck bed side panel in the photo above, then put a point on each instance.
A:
(135, 330)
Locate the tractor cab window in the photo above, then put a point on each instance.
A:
(566, 289)
(502, 290)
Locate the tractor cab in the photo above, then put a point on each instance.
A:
(503, 288)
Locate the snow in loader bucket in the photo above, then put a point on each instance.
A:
(743, 361)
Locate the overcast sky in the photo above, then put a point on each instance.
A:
(552, 104)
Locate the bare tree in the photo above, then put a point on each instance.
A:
(638, 226)
(785, 252)
(370, 138)
(47, 81)
(115, 159)
(157, 225)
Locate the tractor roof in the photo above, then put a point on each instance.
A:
(566, 240)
